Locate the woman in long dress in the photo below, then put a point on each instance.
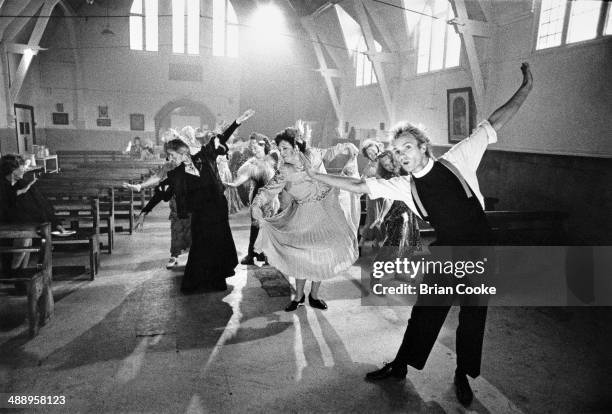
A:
(234, 204)
(198, 189)
(398, 223)
(350, 202)
(371, 149)
(258, 169)
(311, 238)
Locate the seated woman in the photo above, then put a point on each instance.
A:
(134, 148)
(21, 202)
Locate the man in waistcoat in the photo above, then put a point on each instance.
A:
(446, 193)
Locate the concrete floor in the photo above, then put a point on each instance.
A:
(130, 342)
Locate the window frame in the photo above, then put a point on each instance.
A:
(600, 36)
(362, 56)
(360, 53)
(142, 16)
(185, 29)
(417, 39)
(226, 26)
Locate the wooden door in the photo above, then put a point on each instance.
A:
(24, 128)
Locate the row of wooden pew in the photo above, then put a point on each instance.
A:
(91, 201)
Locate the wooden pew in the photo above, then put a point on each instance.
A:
(37, 279)
(123, 199)
(68, 158)
(110, 165)
(520, 227)
(528, 227)
(76, 204)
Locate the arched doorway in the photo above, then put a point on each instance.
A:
(184, 111)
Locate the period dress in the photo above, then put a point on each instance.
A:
(260, 171)
(231, 194)
(350, 202)
(311, 238)
(373, 208)
(212, 256)
(402, 231)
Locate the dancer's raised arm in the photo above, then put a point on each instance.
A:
(506, 112)
(223, 137)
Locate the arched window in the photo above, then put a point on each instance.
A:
(143, 25)
(186, 26)
(225, 29)
(357, 48)
(438, 45)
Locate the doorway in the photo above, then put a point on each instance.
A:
(24, 128)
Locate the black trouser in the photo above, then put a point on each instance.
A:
(427, 318)
(252, 237)
(423, 327)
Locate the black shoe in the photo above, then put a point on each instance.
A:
(293, 305)
(317, 303)
(463, 391)
(247, 260)
(387, 371)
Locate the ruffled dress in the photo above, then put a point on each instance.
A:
(234, 203)
(260, 171)
(311, 238)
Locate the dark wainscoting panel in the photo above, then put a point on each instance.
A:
(580, 186)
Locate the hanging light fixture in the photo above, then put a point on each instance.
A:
(107, 30)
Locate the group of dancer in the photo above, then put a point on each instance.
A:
(313, 234)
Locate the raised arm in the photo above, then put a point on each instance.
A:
(506, 112)
(223, 137)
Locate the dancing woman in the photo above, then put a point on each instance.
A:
(234, 204)
(371, 149)
(198, 189)
(397, 222)
(311, 239)
(258, 169)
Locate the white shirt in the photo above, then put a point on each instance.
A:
(465, 156)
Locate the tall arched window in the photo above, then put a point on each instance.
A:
(225, 29)
(143, 25)
(357, 48)
(186, 26)
(438, 45)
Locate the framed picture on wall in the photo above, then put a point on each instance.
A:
(461, 113)
(103, 111)
(137, 122)
(60, 118)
